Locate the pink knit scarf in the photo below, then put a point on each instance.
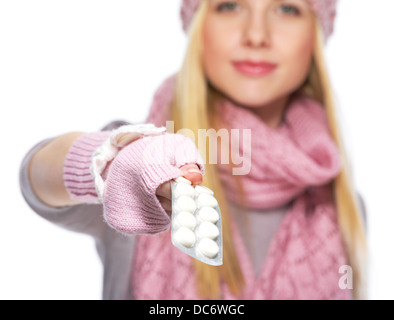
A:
(284, 161)
(294, 165)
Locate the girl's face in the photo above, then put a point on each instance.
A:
(276, 35)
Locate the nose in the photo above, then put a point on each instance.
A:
(256, 31)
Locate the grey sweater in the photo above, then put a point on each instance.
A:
(116, 251)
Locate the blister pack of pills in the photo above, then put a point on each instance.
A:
(196, 224)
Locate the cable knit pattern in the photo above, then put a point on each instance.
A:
(293, 164)
(325, 11)
(279, 178)
(302, 262)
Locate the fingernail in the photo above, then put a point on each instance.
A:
(194, 171)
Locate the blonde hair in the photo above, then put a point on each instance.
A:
(350, 220)
(192, 108)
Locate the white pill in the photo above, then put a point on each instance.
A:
(202, 189)
(184, 203)
(208, 248)
(208, 214)
(184, 189)
(182, 180)
(185, 219)
(205, 199)
(185, 237)
(208, 230)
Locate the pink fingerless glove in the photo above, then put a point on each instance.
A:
(129, 198)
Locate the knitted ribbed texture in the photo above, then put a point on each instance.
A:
(325, 11)
(285, 161)
(131, 179)
(302, 263)
(77, 178)
(130, 203)
(293, 164)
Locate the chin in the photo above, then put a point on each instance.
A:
(250, 100)
(246, 95)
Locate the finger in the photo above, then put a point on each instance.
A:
(165, 203)
(123, 139)
(164, 190)
(192, 173)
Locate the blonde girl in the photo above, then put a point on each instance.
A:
(291, 224)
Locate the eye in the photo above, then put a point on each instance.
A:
(289, 9)
(227, 6)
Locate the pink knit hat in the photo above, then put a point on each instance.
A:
(324, 9)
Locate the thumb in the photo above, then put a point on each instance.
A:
(124, 139)
(192, 173)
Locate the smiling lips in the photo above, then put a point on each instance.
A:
(255, 69)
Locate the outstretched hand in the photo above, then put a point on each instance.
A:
(163, 192)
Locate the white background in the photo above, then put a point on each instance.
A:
(78, 64)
